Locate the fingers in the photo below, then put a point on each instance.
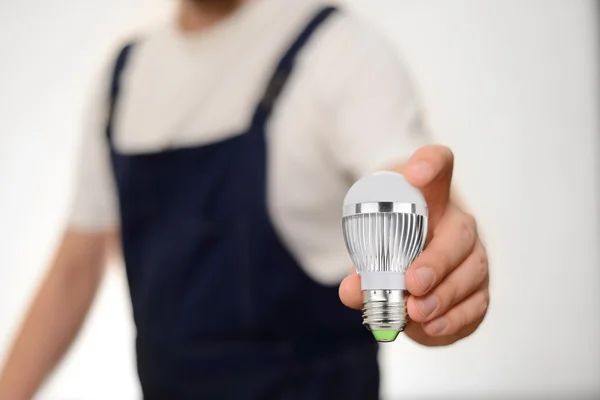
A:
(430, 169)
(458, 285)
(350, 291)
(468, 312)
(429, 164)
(453, 240)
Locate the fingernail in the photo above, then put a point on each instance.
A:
(438, 325)
(424, 278)
(427, 305)
(421, 170)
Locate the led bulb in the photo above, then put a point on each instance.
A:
(385, 227)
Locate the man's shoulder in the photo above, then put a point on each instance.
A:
(349, 39)
(349, 50)
(142, 37)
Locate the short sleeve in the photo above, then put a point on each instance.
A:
(94, 205)
(375, 120)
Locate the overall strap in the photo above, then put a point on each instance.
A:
(115, 87)
(285, 67)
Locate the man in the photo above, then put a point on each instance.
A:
(221, 149)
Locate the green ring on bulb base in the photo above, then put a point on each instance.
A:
(385, 336)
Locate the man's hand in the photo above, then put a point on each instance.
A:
(448, 282)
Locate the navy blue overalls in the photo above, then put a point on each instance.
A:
(222, 309)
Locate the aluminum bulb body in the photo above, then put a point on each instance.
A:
(385, 228)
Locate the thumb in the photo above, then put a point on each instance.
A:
(430, 170)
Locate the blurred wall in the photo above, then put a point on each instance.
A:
(511, 85)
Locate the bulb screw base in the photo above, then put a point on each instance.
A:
(384, 313)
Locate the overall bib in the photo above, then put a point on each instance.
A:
(222, 309)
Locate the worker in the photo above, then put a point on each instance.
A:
(219, 148)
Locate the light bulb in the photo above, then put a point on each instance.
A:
(385, 228)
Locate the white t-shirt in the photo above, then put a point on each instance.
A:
(347, 110)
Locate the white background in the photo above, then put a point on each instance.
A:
(511, 86)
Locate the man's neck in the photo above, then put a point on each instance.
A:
(197, 15)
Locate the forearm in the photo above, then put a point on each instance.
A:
(53, 320)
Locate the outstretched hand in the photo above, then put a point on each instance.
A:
(448, 282)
